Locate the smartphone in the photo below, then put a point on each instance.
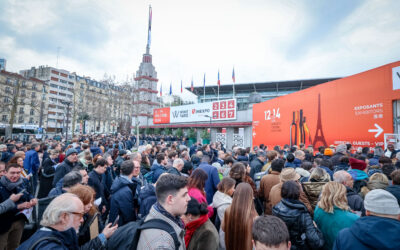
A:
(115, 221)
(22, 191)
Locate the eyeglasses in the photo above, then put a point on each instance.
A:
(77, 213)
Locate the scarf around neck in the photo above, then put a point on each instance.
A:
(164, 212)
(10, 186)
(192, 226)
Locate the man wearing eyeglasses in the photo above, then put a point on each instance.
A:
(12, 222)
(60, 221)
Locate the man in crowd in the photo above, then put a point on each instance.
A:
(355, 201)
(12, 222)
(177, 167)
(97, 183)
(66, 166)
(257, 164)
(341, 150)
(299, 158)
(172, 199)
(70, 180)
(379, 229)
(159, 167)
(395, 188)
(212, 180)
(268, 181)
(123, 195)
(270, 232)
(32, 163)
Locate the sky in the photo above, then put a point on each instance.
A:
(263, 40)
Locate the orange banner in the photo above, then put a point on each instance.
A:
(356, 109)
(161, 115)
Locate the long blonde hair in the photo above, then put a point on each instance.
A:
(333, 194)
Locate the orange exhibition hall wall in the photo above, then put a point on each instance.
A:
(356, 109)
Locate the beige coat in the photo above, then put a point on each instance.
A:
(160, 239)
(267, 182)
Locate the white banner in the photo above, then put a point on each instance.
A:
(203, 112)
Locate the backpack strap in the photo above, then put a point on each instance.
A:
(162, 225)
(49, 238)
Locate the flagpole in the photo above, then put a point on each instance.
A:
(234, 80)
(204, 88)
(218, 84)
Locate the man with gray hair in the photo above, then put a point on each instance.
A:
(354, 200)
(257, 164)
(379, 229)
(177, 167)
(61, 221)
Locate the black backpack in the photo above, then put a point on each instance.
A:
(120, 238)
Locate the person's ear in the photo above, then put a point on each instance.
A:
(289, 244)
(169, 200)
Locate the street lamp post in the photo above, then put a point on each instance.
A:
(210, 123)
(66, 128)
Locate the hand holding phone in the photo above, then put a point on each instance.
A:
(115, 221)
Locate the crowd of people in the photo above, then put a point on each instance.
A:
(105, 192)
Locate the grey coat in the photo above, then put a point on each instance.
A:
(6, 206)
(160, 239)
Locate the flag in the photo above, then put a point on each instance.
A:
(233, 75)
(181, 87)
(161, 90)
(204, 81)
(170, 89)
(191, 85)
(219, 82)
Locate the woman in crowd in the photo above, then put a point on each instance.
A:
(239, 218)
(303, 233)
(376, 181)
(46, 174)
(240, 174)
(86, 194)
(19, 160)
(221, 201)
(200, 232)
(333, 213)
(318, 178)
(196, 185)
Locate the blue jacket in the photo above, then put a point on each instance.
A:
(147, 198)
(211, 182)
(370, 232)
(297, 162)
(31, 162)
(67, 240)
(157, 171)
(123, 201)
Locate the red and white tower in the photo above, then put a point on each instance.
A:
(146, 85)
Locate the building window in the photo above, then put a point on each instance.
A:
(4, 118)
(31, 120)
(8, 90)
(23, 93)
(21, 110)
(34, 87)
(33, 95)
(20, 119)
(32, 112)
(6, 100)
(23, 84)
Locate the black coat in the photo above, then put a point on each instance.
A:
(303, 233)
(395, 190)
(64, 168)
(256, 166)
(46, 176)
(96, 182)
(356, 203)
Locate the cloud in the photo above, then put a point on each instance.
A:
(264, 40)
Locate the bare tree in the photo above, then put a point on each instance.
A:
(16, 95)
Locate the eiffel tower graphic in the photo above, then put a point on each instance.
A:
(319, 138)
